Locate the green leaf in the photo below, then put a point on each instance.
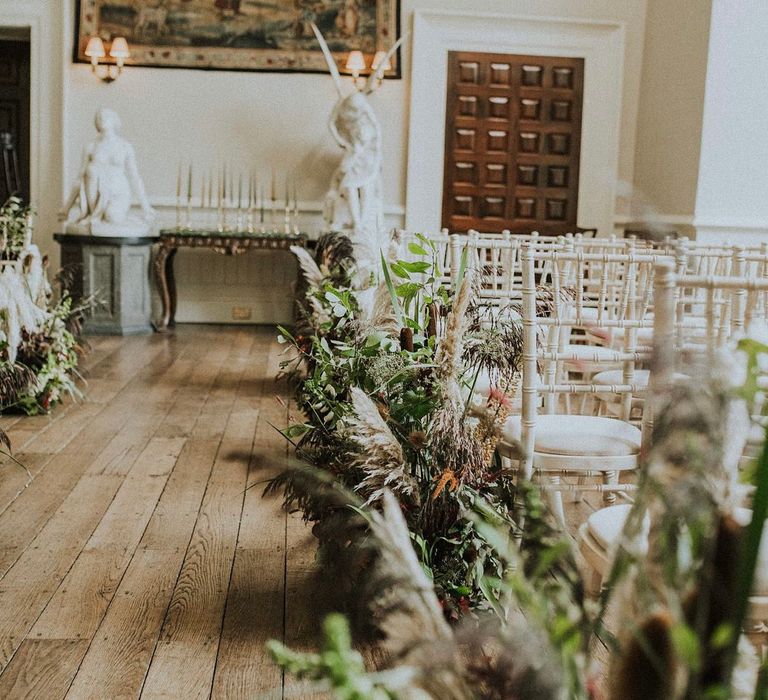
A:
(416, 249)
(400, 271)
(408, 290)
(391, 288)
(687, 645)
(462, 268)
(722, 636)
(488, 593)
(415, 267)
(294, 431)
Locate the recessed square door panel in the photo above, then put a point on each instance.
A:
(496, 174)
(530, 108)
(498, 107)
(501, 74)
(466, 139)
(512, 144)
(469, 72)
(466, 173)
(468, 105)
(498, 140)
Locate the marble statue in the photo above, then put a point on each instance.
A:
(101, 200)
(354, 203)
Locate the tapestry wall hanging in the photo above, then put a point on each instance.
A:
(253, 35)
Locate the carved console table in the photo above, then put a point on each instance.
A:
(226, 243)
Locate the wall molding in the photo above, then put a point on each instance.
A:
(309, 206)
(671, 219)
(600, 42)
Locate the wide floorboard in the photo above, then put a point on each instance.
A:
(140, 559)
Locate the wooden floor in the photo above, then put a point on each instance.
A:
(137, 562)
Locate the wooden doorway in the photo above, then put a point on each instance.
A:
(14, 117)
(512, 143)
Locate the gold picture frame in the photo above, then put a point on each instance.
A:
(246, 35)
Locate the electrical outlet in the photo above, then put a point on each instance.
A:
(241, 313)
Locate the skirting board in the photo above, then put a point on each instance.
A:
(263, 311)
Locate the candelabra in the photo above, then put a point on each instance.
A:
(241, 211)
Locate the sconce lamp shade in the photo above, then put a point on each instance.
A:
(356, 61)
(378, 58)
(119, 48)
(95, 48)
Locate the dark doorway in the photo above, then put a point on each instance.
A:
(512, 143)
(14, 116)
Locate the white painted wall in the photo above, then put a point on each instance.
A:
(671, 108)
(259, 119)
(732, 196)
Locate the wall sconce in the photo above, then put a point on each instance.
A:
(356, 64)
(118, 50)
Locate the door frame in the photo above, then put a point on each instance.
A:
(599, 42)
(46, 107)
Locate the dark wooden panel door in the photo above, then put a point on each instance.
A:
(512, 142)
(14, 111)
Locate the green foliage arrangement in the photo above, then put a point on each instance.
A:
(45, 366)
(384, 395)
(404, 475)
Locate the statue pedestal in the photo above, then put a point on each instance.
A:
(116, 272)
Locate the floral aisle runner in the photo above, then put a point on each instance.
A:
(450, 556)
(38, 336)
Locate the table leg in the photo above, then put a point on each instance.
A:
(161, 272)
(171, 281)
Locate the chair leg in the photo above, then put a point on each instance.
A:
(577, 496)
(555, 499)
(610, 478)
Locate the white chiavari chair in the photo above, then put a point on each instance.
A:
(555, 444)
(680, 344)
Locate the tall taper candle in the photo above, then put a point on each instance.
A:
(189, 196)
(178, 197)
(220, 196)
(274, 186)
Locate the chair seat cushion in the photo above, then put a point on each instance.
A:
(616, 376)
(615, 336)
(579, 436)
(607, 524)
